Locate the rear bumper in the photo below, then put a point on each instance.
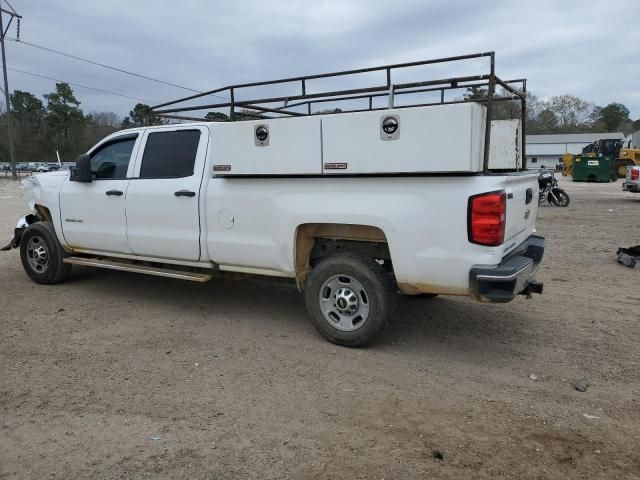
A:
(515, 275)
(631, 187)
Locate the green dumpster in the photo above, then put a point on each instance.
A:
(593, 169)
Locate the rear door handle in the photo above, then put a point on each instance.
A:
(185, 193)
(114, 192)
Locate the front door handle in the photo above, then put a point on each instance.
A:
(114, 192)
(185, 193)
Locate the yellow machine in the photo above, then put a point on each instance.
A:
(567, 165)
(624, 157)
(627, 157)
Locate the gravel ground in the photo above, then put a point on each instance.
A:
(117, 375)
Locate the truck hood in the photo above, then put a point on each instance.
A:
(43, 184)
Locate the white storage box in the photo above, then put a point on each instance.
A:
(291, 147)
(505, 151)
(442, 138)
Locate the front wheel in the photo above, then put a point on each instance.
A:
(559, 198)
(349, 299)
(42, 256)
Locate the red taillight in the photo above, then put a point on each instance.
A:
(635, 173)
(487, 213)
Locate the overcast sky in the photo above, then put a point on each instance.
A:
(587, 48)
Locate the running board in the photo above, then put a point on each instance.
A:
(130, 267)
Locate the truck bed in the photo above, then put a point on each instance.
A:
(252, 222)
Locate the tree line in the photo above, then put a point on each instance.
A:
(57, 123)
(561, 114)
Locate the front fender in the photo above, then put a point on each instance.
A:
(22, 224)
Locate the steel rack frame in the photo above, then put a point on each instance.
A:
(282, 105)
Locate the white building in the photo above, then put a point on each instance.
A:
(548, 150)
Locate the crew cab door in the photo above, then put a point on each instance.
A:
(162, 205)
(93, 214)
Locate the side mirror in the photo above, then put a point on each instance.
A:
(82, 171)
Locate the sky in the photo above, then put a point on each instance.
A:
(587, 48)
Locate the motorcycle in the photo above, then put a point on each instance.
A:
(549, 190)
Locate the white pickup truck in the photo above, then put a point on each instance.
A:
(354, 207)
(632, 180)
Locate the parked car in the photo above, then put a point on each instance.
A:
(53, 167)
(38, 167)
(353, 207)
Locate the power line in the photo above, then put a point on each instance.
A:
(3, 34)
(75, 57)
(78, 85)
(92, 62)
(10, 6)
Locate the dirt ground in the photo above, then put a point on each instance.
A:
(118, 375)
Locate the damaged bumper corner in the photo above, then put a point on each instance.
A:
(23, 223)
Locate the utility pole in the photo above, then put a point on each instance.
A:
(3, 33)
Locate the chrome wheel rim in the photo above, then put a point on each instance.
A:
(344, 303)
(38, 254)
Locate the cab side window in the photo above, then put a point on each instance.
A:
(170, 154)
(111, 160)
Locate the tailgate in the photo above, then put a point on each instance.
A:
(522, 208)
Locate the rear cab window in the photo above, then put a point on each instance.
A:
(170, 154)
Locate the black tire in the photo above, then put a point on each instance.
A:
(377, 295)
(35, 238)
(562, 196)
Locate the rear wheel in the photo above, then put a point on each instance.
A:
(42, 256)
(349, 299)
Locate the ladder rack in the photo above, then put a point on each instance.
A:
(285, 105)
